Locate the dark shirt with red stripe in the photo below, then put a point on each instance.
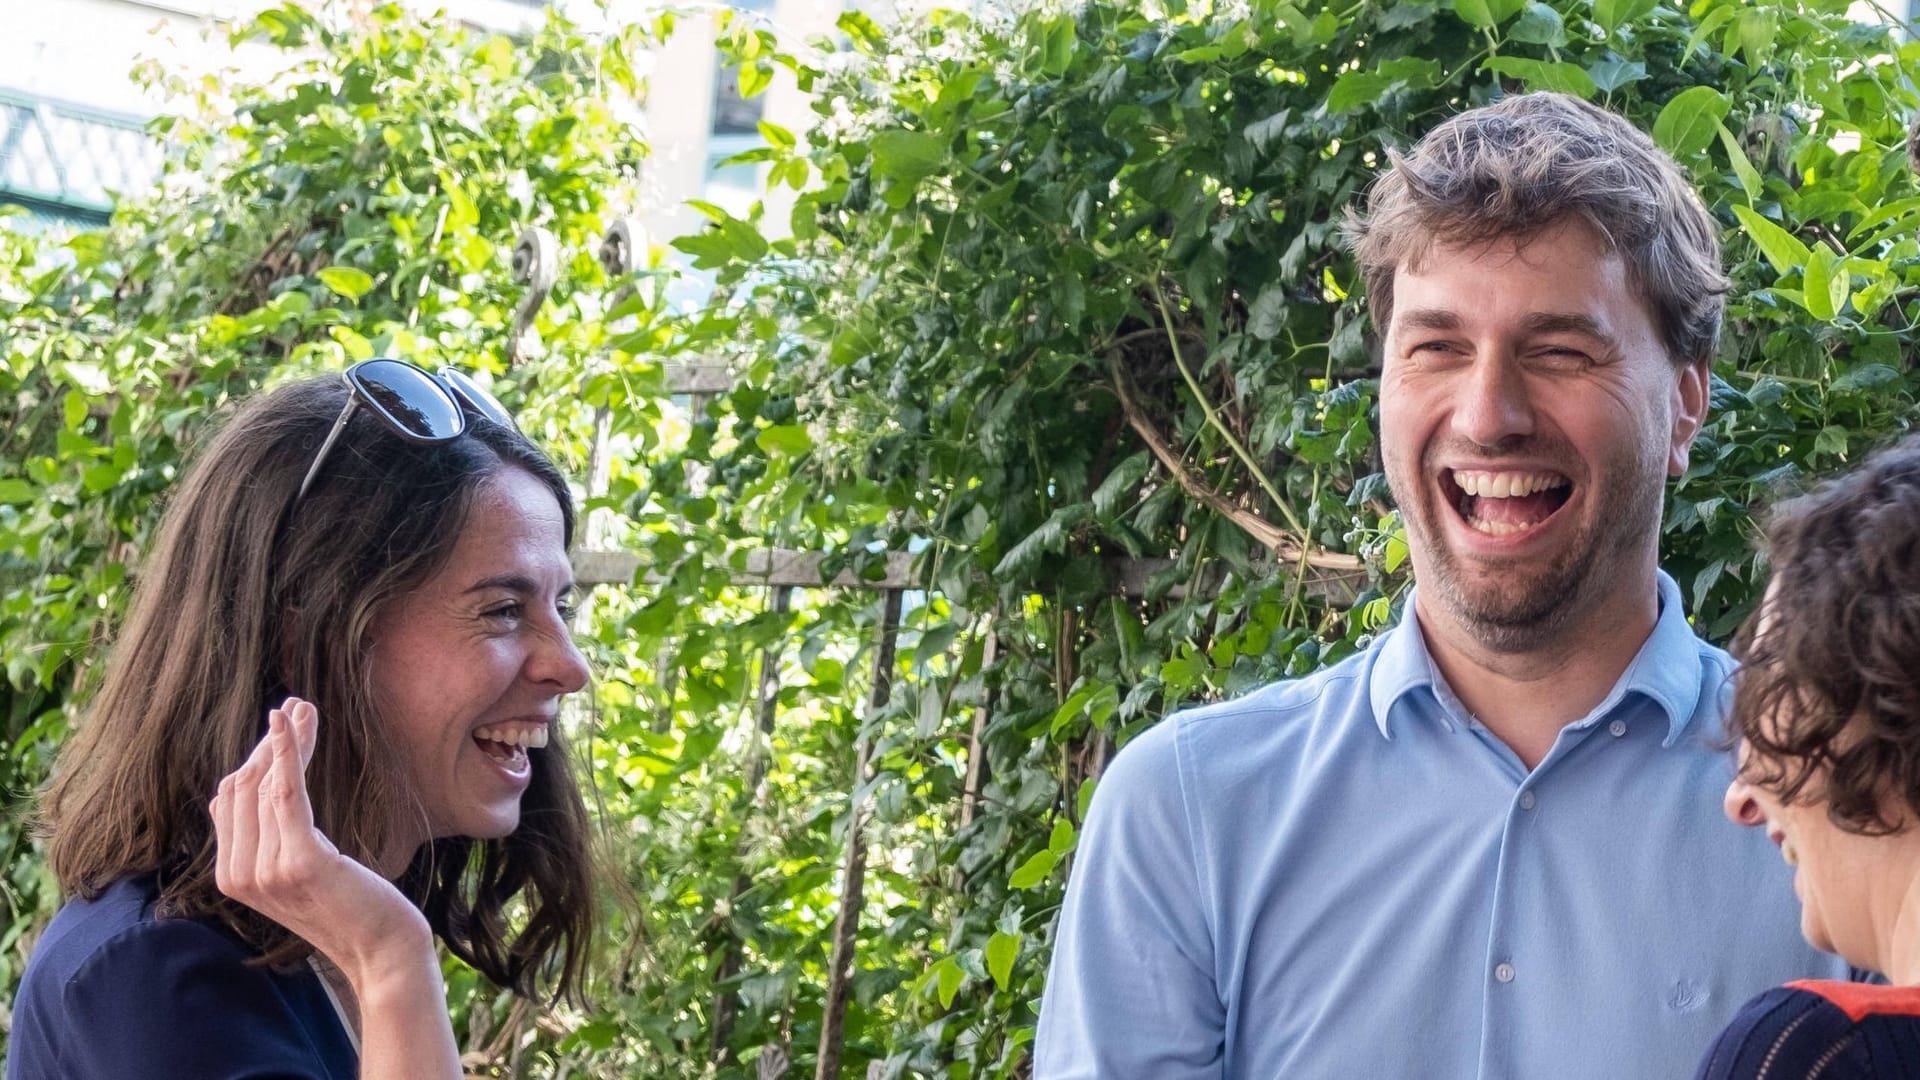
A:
(1824, 1030)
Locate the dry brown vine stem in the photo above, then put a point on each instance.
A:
(1284, 545)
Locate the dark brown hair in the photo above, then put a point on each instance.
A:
(237, 606)
(1526, 163)
(1829, 684)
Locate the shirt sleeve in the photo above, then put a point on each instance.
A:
(1131, 991)
(177, 998)
(1788, 1034)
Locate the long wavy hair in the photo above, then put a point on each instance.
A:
(246, 598)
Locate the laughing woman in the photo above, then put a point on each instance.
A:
(1828, 714)
(255, 880)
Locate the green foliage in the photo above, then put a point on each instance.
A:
(1061, 309)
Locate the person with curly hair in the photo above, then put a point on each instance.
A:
(1827, 714)
(327, 739)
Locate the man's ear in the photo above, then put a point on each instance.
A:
(1690, 393)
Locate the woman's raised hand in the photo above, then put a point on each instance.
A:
(272, 858)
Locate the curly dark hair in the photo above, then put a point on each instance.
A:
(1828, 695)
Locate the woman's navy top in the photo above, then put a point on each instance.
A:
(1829, 1030)
(112, 992)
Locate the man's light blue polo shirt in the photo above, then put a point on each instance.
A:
(1347, 876)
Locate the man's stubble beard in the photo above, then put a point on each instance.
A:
(1510, 614)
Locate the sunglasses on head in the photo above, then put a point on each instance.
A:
(414, 404)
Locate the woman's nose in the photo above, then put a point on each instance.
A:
(556, 661)
(1742, 808)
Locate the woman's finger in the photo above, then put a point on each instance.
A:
(245, 837)
(306, 727)
(221, 810)
(289, 813)
(276, 789)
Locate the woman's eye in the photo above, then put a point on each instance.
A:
(504, 613)
(567, 609)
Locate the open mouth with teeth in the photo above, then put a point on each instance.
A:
(508, 743)
(1787, 850)
(1502, 503)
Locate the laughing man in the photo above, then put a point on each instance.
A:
(1490, 845)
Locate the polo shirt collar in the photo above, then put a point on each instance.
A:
(1666, 670)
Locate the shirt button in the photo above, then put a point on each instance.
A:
(1527, 800)
(1618, 728)
(1504, 973)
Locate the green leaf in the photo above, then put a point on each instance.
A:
(1376, 613)
(1002, 949)
(1405, 14)
(462, 214)
(1050, 536)
(1267, 315)
(785, 440)
(1261, 133)
(1749, 177)
(1544, 75)
(1783, 249)
(16, 492)
(1396, 550)
(1034, 870)
(1413, 71)
(1686, 124)
(1611, 75)
(1486, 14)
(355, 344)
(101, 478)
(948, 977)
(1715, 19)
(1756, 31)
(1832, 441)
(1061, 839)
(777, 137)
(1612, 14)
(1354, 89)
(1059, 47)
(1827, 284)
(1866, 377)
(754, 79)
(1882, 214)
(907, 156)
(1539, 25)
(862, 28)
(350, 282)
